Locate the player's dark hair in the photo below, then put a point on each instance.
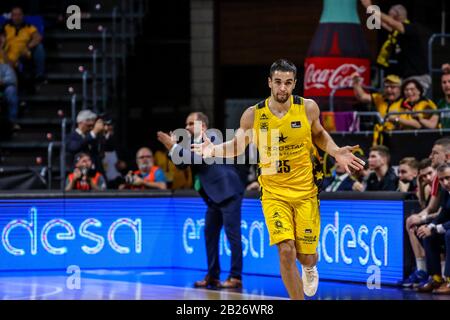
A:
(202, 117)
(283, 65)
(424, 163)
(383, 151)
(444, 142)
(443, 167)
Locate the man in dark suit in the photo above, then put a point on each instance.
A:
(222, 190)
(340, 181)
(85, 138)
(435, 235)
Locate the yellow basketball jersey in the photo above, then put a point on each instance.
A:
(285, 149)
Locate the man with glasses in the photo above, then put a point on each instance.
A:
(381, 101)
(148, 176)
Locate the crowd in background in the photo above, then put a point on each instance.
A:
(22, 62)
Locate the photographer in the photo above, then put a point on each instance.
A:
(83, 177)
(86, 138)
(148, 176)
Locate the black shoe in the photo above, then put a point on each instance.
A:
(231, 283)
(208, 281)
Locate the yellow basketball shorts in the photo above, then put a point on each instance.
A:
(294, 220)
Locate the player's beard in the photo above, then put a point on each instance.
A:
(280, 98)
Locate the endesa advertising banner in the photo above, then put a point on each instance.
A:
(358, 237)
(323, 74)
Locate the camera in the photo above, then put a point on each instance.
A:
(129, 179)
(84, 171)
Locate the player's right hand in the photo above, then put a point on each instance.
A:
(204, 149)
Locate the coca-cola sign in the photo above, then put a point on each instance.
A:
(323, 74)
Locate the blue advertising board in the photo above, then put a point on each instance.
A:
(357, 236)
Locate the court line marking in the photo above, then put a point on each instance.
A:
(28, 297)
(183, 289)
(220, 292)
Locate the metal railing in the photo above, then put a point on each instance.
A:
(73, 110)
(94, 80)
(104, 83)
(113, 50)
(62, 155)
(396, 113)
(382, 120)
(49, 165)
(85, 89)
(432, 70)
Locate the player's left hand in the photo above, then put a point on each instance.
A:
(345, 157)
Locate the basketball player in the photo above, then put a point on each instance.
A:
(285, 128)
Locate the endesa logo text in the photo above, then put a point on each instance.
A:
(354, 243)
(88, 229)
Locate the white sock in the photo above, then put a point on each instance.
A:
(443, 267)
(421, 264)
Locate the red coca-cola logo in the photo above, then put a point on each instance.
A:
(323, 74)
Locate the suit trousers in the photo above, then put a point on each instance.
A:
(432, 246)
(228, 215)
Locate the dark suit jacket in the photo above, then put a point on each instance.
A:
(388, 183)
(444, 216)
(219, 181)
(345, 185)
(77, 143)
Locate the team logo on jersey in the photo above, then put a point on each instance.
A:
(296, 124)
(282, 139)
(264, 126)
(278, 224)
(308, 231)
(263, 117)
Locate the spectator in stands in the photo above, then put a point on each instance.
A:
(435, 235)
(176, 178)
(424, 181)
(440, 154)
(86, 136)
(23, 41)
(381, 101)
(414, 100)
(8, 88)
(383, 177)
(111, 163)
(407, 174)
(403, 44)
(148, 176)
(339, 181)
(84, 177)
(444, 103)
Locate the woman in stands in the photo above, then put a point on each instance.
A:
(414, 100)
